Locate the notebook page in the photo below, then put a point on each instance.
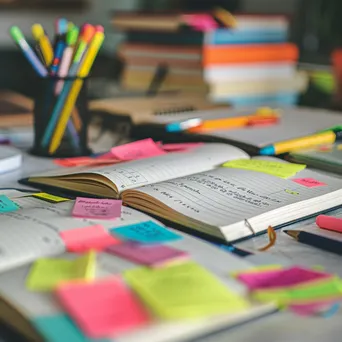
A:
(33, 232)
(157, 169)
(224, 196)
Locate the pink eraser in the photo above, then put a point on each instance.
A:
(329, 223)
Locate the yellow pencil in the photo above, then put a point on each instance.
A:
(44, 43)
(85, 67)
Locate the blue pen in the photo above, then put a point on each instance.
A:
(19, 38)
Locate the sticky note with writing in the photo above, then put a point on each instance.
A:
(50, 198)
(147, 255)
(94, 208)
(308, 182)
(87, 238)
(137, 150)
(46, 274)
(6, 205)
(279, 169)
(146, 232)
(102, 308)
(184, 290)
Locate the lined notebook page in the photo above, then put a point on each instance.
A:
(225, 196)
(152, 170)
(33, 231)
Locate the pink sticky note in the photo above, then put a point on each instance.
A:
(137, 150)
(201, 22)
(95, 208)
(102, 308)
(156, 256)
(281, 278)
(180, 146)
(308, 182)
(84, 239)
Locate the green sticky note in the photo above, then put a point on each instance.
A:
(6, 205)
(183, 290)
(60, 328)
(318, 290)
(278, 169)
(46, 274)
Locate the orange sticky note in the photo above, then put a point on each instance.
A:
(308, 182)
(137, 150)
(103, 308)
(84, 239)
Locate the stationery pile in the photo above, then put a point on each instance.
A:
(65, 63)
(304, 291)
(247, 62)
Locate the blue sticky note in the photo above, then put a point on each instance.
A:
(60, 328)
(7, 205)
(146, 232)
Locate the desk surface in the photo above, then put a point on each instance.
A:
(280, 327)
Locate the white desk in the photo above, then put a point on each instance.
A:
(281, 327)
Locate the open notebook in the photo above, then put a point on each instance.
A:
(191, 189)
(39, 317)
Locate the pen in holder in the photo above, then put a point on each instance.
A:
(61, 117)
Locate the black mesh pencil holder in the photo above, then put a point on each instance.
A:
(61, 118)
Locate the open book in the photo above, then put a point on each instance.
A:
(190, 188)
(32, 232)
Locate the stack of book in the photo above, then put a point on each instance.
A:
(250, 64)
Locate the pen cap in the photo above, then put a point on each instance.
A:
(74, 140)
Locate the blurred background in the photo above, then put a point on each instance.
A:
(313, 26)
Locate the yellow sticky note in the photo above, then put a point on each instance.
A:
(50, 198)
(183, 290)
(279, 169)
(46, 274)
